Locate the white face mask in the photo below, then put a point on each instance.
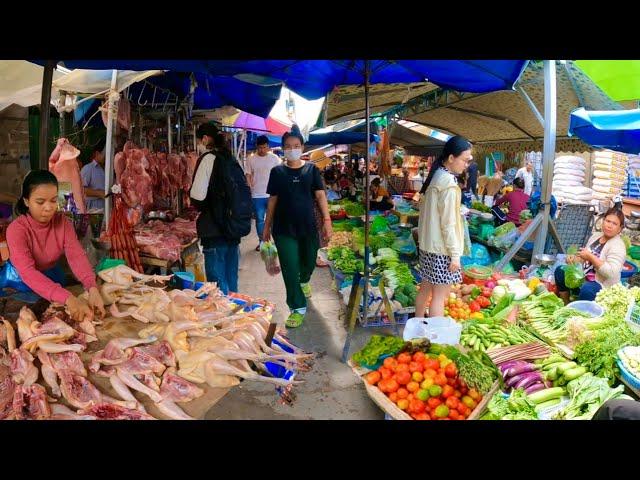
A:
(293, 154)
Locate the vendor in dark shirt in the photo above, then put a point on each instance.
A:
(294, 187)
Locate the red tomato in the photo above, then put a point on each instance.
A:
(419, 357)
(457, 394)
(402, 367)
(433, 402)
(451, 382)
(452, 402)
(454, 415)
(402, 393)
(386, 373)
(423, 416)
(393, 397)
(440, 379)
(416, 367)
(392, 385)
(413, 386)
(432, 363)
(430, 373)
(382, 385)
(390, 363)
(404, 358)
(403, 378)
(447, 391)
(416, 406)
(451, 370)
(373, 377)
(473, 393)
(474, 306)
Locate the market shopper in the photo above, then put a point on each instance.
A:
(441, 229)
(380, 199)
(221, 193)
(526, 174)
(93, 179)
(602, 259)
(517, 200)
(258, 168)
(39, 236)
(294, 187)
(619, 409)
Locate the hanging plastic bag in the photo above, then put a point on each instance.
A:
(467, 238)
(269, 254)
(573, 275)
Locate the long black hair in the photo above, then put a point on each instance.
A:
(33, 179)
(454, 146)
(218, 141)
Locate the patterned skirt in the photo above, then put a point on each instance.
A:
(434, 269)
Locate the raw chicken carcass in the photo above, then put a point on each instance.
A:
(139, 362)
(30, 403)
(7, 389)
(178, 389)
(25, 319)
(62, 412)
(7, 335)
(161, 352)
(52, 331)
(78, 391)
(114, 351)
(111, 411)
(22, 368)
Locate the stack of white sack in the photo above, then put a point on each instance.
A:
(609, 174)
(569, 175)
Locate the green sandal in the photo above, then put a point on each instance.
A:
(306, 289)
(294, 320)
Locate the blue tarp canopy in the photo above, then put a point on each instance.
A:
(617, 130)
(315, 78)
(340, 138)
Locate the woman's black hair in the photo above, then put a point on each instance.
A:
(519, 183)
(454, 146)
(218, 141)
(262, 140)
(616, 212)
(295, 132)
(33, 179)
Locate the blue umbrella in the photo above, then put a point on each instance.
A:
(617, 130)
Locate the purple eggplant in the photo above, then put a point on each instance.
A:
(519, 369)
(513, 381)
(510, 364)
(529, 380)
(534, 388)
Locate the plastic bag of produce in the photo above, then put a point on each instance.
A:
(269, 254)
(505, 228)
(506, 240)
(573, 275)
(479, 256)
(467, 238)
(405, 245)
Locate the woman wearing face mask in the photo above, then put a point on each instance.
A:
(39, 237)
(441, 228)
(602, 259)
(293, 189)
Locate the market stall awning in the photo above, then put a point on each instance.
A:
(95, 81)
(615, 130)
(340, 138)
(21, 83)
(506, 116)
(315, 78)
(620, 79)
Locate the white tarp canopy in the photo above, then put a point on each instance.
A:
(305, 112)
(21, 82)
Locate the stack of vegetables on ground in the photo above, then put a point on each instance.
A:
(340, 239)
(427, 385)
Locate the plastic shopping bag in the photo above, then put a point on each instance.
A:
(269, 254)
(467, 238)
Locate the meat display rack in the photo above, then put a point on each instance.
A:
(166, 266)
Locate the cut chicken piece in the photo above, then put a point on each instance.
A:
(124, 392)
(25, 319)
(78, 391)
(132, 382)
(7, 389)
(115, 353)
(7, 335)
(111, 411)
(173, 411)
(54, 330)
(161, 352)
(177, 389)
(51, 347)
(30, 403)
(49, 373)
(62, 412)
(70, 361)
(141, 363)
(22, 368)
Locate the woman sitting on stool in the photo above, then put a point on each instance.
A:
(603, 259)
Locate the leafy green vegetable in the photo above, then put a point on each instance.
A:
(353, 209)
(615, 299)
(516, 407)
(475, 373)
(587, 394)
(345, 260)
(481, 207)
(377, 346)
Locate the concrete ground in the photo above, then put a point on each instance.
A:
(330, 391)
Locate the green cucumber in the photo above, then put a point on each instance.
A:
(550, 403)
(574, 373)
(545, 395)
(566, 366)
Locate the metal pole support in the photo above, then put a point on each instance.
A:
(45, 110)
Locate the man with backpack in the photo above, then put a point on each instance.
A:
(223, 197)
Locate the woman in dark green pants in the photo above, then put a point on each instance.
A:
(293, 188)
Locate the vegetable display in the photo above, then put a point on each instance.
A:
(553, 328)
(630, 358)
(377, 346)
(615, 299)
(481, 336)
(518, 406)
(340, 239)
(426, 385)
(518, 374)
(476, 373)
(559, 370)
(527, 351)
(587, 394)
(353, 209)
(481, 207)
(345, 260)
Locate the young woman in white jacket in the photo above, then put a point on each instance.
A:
(440, 227)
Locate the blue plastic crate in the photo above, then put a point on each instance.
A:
(279, 371)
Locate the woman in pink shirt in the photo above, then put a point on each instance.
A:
(517, 201)
(39, 237)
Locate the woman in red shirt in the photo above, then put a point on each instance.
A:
(517, 201)
(39, 237)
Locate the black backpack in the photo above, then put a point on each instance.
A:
(229, 202)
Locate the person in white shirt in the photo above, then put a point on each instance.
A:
(257, 170)
(526, 173)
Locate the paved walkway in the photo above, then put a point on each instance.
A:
(331, 390)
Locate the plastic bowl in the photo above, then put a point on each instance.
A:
(592, 308)
(628, 270)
